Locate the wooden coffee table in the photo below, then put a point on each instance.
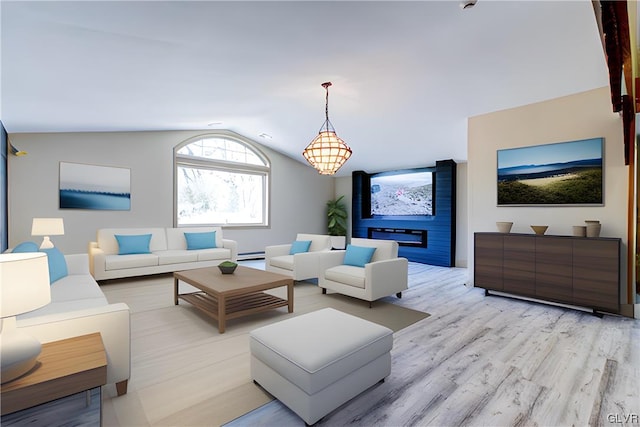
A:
(228, 296)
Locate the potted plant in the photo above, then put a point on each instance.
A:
(337, 222)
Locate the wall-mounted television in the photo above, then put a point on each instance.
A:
(402, 193)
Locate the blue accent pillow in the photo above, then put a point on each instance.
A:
(300, 246)
(358, 256)
(57, 264)
(206, 240)
(25, 247)
(133, 244)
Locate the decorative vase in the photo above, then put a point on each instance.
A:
(504, 226)
(593, 229)
(579, 230)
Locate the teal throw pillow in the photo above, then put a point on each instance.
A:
(358, 256)
(133, 244)
(299, 246)
(57, 264)
(25, 247)
(206, 240)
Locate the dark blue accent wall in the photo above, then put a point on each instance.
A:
(4, 210)
(441, 227)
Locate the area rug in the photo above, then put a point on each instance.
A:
(308, 297)
(156, 321)
(393, 316)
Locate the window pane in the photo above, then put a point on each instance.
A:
(208, 196)
(222, 149)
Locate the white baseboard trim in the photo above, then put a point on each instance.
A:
(250, 255)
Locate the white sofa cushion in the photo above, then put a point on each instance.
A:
(213, 254)
(75, 287)
(319, 242)
(118, 262)
(70, 293)
(176, 239)
(385, 249)
(175, 256)
(307, 351)
(282, 261)
(64, 307)
(347, 274)
(108, 243)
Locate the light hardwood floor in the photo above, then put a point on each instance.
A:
(476, 361)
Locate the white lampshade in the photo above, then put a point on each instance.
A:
(47, 227)
(24, 286)
(24, 283)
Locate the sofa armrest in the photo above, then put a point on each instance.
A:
(77, 264)
(233, 246)
(112, 321)
(386, 277)
(276, 250)
(97, 260)
(305, 264)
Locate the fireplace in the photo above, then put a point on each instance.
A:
(404, 236)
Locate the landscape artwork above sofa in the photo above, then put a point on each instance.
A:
(94, 187)
(565, 173)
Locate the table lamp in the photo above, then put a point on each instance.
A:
(47, 227)
(24, 286)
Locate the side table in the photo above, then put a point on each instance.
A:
(65, 368)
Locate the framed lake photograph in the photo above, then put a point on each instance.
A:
(565, 173)
(94, 187)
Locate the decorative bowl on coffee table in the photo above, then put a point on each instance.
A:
(227, 267)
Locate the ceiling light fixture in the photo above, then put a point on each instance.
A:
(327, 153)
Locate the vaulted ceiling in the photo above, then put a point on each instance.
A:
(406, 75)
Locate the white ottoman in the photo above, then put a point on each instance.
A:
(315, 362)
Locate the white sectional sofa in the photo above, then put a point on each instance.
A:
(78, 307)
(168, 252)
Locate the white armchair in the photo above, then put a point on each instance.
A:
(300, 266)
(384, 275)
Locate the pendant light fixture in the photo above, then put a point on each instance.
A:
(327, 153)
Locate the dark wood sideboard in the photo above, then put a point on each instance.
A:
(578, 271)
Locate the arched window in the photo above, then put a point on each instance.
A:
(221, 179)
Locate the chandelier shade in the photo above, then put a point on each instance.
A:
(327, 152)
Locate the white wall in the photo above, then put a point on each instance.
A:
(298, 193)
(462, 216)
(575, 117)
